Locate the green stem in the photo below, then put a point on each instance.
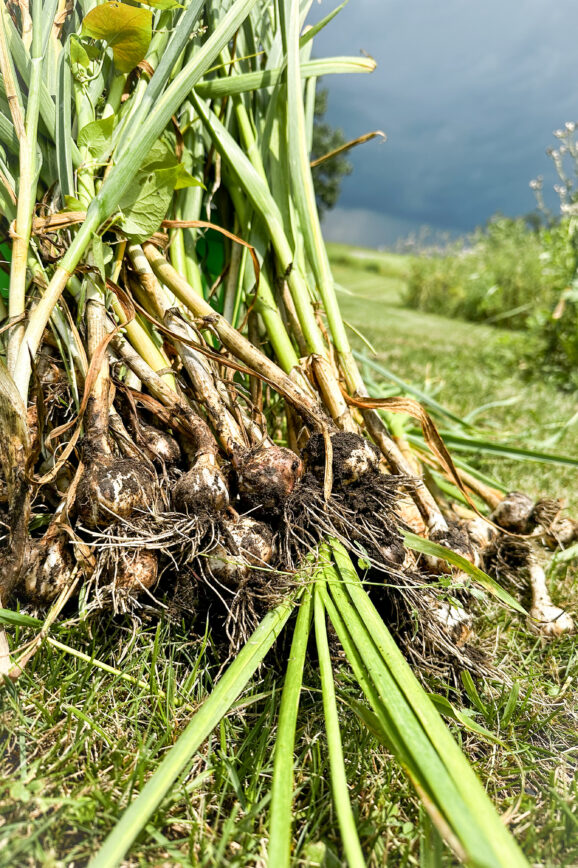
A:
(149, 121)
(265, 305)
(26, 189)
(279, 851)
(263, 203)
(114, 95)
(251, 180)
(339, 785)
(390, 734)
(304, 196)
(297, 285)
(234, 282)
(188, 204)
(85, 174)
(267, 308)
(360, 607)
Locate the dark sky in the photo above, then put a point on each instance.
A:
(468, 93)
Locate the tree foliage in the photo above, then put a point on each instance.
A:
(328, 176)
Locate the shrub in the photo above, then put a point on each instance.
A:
(496, 275)
(555, 316)
(513, 276)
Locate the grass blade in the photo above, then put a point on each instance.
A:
(486, 447)
(446, 709)
(279, 851)
(317, 28)
(235, 679)
(341, 799)
(423, 397)
(431, 846)
(563, 557)
(18, 619)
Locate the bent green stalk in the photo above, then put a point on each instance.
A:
(248, 81)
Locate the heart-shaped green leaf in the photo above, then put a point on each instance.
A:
(81, 54)
(127, 29)
(96, 136)
(145, 205)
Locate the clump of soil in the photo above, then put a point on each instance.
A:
(353, 457)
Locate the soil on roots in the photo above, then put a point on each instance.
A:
(353, 458)
(431, 620)
(507, 559)
(360, 515)
(232, 568)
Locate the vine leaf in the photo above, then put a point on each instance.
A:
(126, 29)
(96, 136)
(146, 203)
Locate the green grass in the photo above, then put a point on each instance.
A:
(367, 259)
(78, 742)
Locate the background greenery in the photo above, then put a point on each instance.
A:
(515, 274)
